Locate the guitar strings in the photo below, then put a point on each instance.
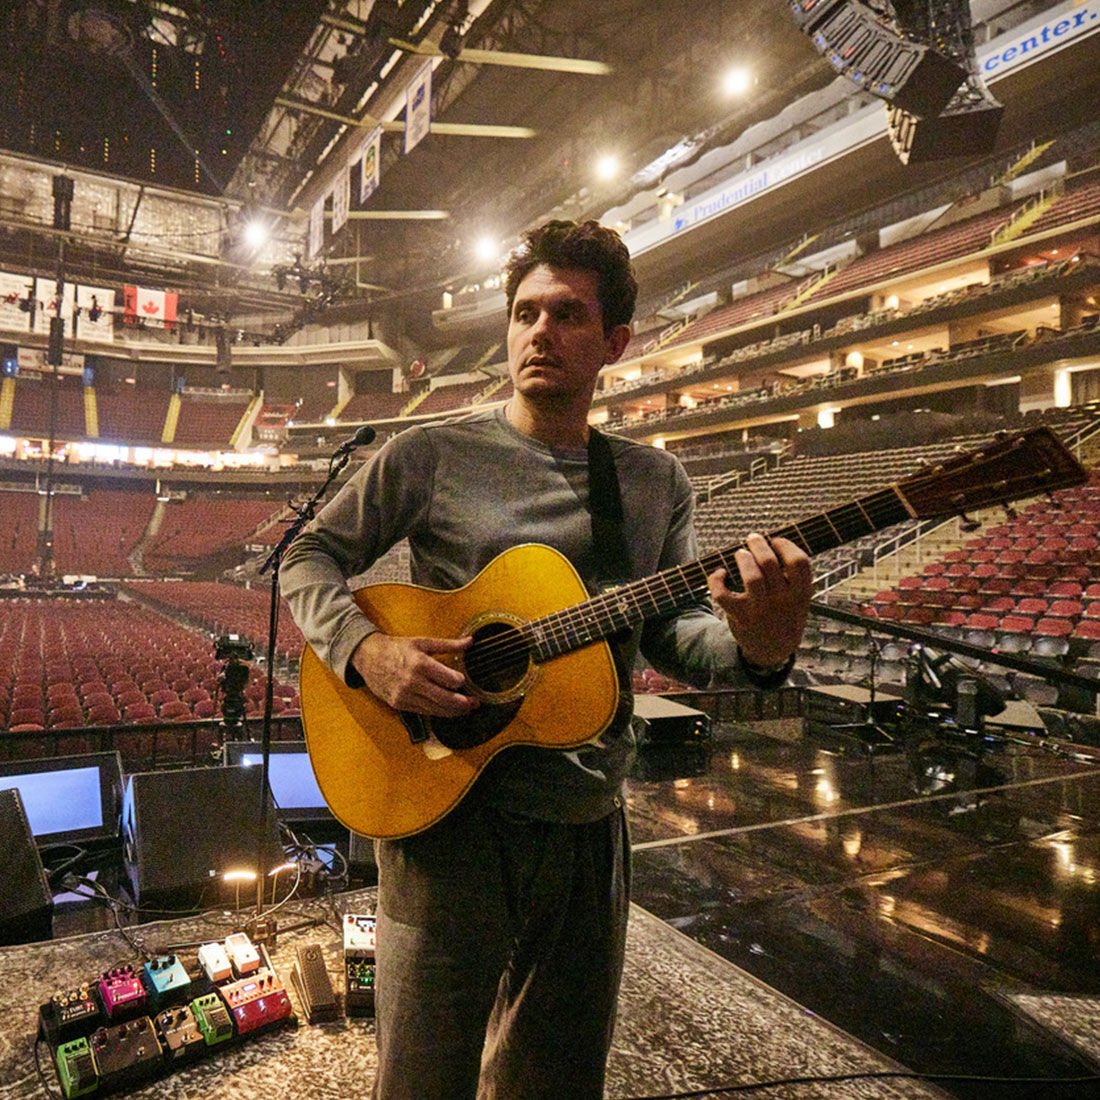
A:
(823, 531)
(815, 533)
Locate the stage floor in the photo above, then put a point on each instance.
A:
(802, 910)
(688, 1020)
(953, 924)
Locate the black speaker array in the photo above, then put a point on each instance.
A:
(860, 45)
(968, 129)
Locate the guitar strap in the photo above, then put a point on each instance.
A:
(605, 505)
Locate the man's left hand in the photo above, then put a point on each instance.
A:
(768, 618)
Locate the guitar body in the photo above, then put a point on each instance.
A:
(375, 778)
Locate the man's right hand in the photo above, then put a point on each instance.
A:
(405, 673)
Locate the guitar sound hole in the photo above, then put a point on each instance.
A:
(498, 659)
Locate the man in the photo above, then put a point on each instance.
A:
(502, 927)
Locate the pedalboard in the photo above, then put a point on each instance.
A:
(138, 1022)
(360, 940)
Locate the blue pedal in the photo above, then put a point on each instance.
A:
(165, 977)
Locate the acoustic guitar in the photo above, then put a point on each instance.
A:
(540, 663)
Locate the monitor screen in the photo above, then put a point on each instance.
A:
(290, 775)
(68, 799)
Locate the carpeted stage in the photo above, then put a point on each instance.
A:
(688, 1020)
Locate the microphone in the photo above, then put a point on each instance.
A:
(361, 438)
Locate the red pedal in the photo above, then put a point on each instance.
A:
(256, 1001)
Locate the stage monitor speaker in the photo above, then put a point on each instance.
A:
(869, 52)
(183, 830)
(660, 721)
(25, 898)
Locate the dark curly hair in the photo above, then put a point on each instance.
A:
(585, 245)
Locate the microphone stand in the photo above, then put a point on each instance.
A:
(303, 513)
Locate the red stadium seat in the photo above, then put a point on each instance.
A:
(1054, 628)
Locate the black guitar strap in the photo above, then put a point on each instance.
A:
(605, 504)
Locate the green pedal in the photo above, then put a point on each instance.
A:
(75, 1068)
(213, 1018)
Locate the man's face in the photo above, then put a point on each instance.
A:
(556, 339)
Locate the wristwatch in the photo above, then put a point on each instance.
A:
(766, 676)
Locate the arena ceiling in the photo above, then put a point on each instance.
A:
(260, 101)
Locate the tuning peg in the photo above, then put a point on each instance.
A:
(967, 523)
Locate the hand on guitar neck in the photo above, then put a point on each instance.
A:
(769, 616)
(406, 674)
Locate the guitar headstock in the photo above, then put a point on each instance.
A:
(1020, 465)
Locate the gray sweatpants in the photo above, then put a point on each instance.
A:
(500, 951)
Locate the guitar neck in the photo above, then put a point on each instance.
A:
(683, 585)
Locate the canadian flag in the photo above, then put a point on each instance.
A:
(157, 305)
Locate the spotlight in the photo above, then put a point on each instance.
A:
(736, 81)
(256, 234)
(485, 249)
(607, 167)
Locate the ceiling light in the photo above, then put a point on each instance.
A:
(485, 249)
(737, 81)
(607, 166)
(256, 234)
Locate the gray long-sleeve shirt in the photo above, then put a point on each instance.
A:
(462, 491)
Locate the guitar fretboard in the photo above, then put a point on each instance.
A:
(682, 585)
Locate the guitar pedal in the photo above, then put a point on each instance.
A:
(242, 954)
(165, 977)
(121, 992)
(76, 1068)
(213, 1019)
(360, 940)
(312, 984)
(215, 962)
(69, 1013)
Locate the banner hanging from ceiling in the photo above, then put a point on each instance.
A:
(341, 198)
(316, 227)
(16, 301)
(370, 152)
(95, 312)
(418, 107)
(141, 303)
(49, 305)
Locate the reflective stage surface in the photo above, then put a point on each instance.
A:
(940, 901)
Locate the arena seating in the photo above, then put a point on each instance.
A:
(203, 526)
(31, 411)
(209, 420)
(131, 413)
(444, 399)
(96, 533)
(374, 406)
(67, 664)
(225, 609)
(19, 540)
